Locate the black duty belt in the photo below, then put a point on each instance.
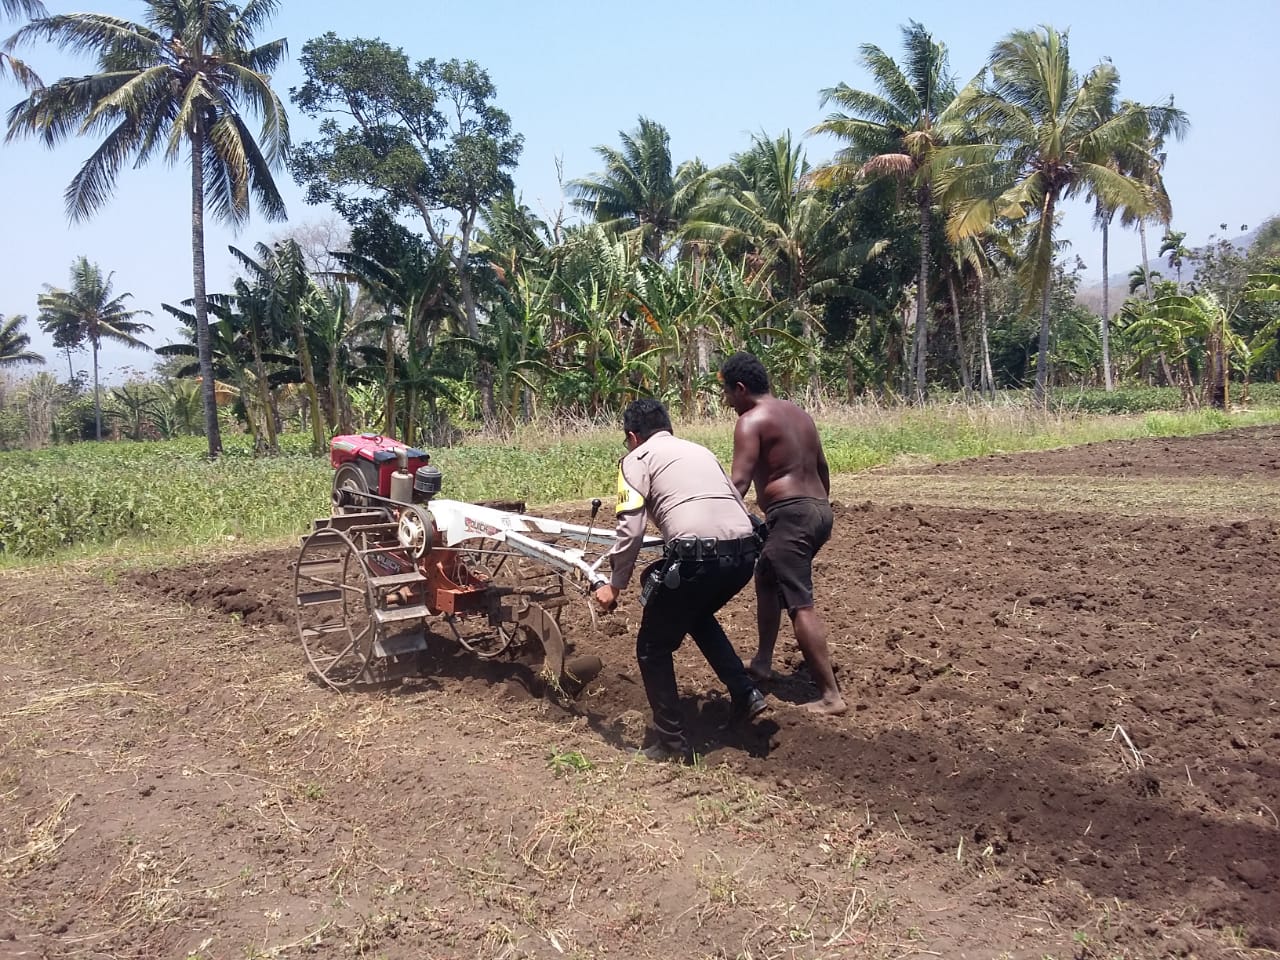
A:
(710, 548)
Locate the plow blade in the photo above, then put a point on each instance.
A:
(534, 618)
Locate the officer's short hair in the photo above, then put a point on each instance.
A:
(645, 417)
(746, 369)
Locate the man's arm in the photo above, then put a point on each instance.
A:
(824, 472)
(632, 512)
(746, 453)
(629, 534)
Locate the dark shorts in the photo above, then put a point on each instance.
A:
(798, 527)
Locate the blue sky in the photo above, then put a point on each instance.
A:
(572, 74)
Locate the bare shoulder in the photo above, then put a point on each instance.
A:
(748, 423)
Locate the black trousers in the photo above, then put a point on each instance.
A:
(690, 610)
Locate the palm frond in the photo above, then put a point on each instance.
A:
(31, 9)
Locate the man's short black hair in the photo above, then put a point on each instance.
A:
(746, 369)
(645, 417)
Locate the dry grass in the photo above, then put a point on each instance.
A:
(43, 840)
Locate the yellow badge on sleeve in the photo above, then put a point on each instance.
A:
(628, 498)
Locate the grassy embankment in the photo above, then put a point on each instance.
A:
(143, 498)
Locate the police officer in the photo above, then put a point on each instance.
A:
(710, 552)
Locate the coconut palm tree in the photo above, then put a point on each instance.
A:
(31, 9)
(764, 206)
(1163, 122)
(14, 344)
(183, 77)
(1129, 159)
(1172, 248)
(639, 190)
(897, 133)
(1051, 134)
(88, 311)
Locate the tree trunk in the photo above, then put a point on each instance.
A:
(203, 348)
(338, 389)
(389, 380)
(1105, 327)
(908, 354)
(1146, 273)
(1042, 355)
(922, 298)
(313, 395)
(965, 380)
(410, 415)
(484, 369)
(264, 398)
(97, 397)
(988, 376)
(1165, 369)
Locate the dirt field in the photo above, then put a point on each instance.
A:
(1064, 745)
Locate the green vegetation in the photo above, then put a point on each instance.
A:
(917, 261)
(87, 498)
(919, 257)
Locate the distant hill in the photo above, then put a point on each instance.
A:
(1091, 296)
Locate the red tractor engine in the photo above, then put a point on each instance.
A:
(366, 463)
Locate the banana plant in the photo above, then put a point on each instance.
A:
(1195, 333)
(1264, 288)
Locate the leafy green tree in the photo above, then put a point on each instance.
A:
(136, 406)
(1050, 135)
(335, 331)
(1222, 268)
(280, 287)
(14, 344)
(425, 137)
(184, 76)
(763, 206)
(416, 286)
(1140, 279)
(1134, 158)
(1266, 242)
(248, 311)
(235, 362)
(178, 412)
(88, 311)
(605, 346)
(1162, 122)
(897, 133)
(1172, 249)
(1264, 344)
(1196, 334)
(639, 189)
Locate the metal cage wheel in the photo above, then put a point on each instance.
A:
(334, 606)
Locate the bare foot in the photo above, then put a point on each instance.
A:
(832, 708)
(761, 672)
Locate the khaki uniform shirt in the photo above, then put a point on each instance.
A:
(682, 487)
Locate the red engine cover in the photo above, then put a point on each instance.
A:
(382, 452)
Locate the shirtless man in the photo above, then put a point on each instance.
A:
(776, 445)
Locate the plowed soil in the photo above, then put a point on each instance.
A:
(1063, 743)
